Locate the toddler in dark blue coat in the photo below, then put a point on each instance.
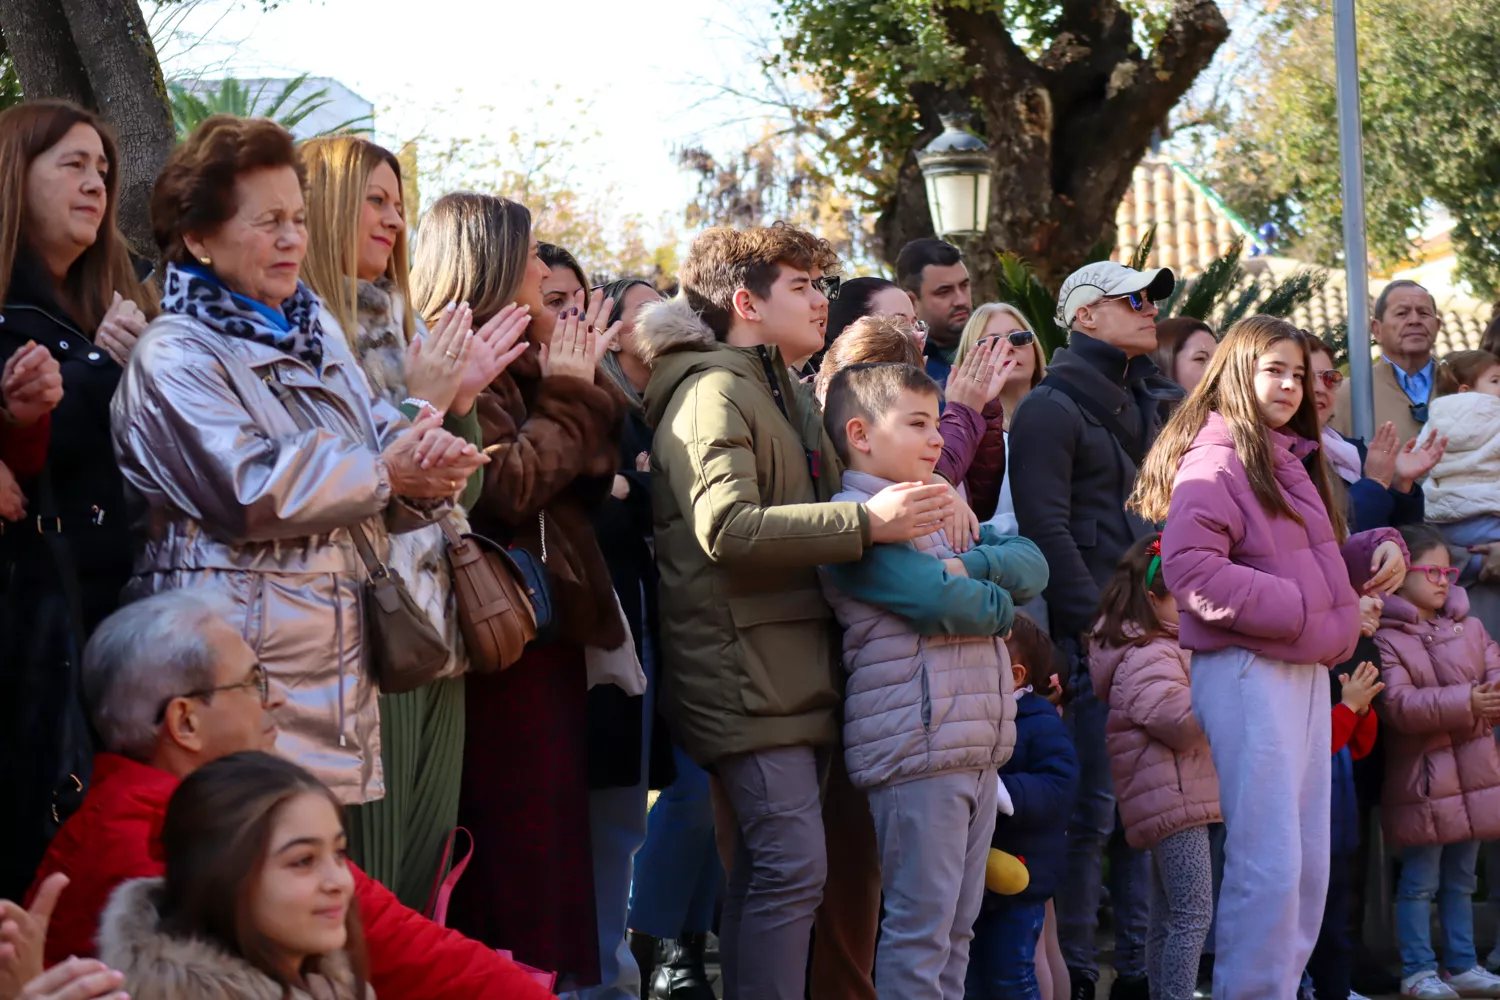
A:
(1038, 786)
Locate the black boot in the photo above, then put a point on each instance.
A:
(681, 975)
(1130, 988)
(644, 947)
(1081, 985)
(1205, 975)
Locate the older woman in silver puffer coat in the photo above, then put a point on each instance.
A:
(241, 500)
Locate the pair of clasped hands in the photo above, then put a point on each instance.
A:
(454, 363)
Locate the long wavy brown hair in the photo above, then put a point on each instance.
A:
(27, 130)
(1228, 389)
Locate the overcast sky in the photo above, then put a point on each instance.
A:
(455, 67)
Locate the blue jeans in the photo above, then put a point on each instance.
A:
(1446, 872)
(1002, 957)
(1089, 834)
(677, 870)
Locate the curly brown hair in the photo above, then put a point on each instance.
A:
(195, 192)
(721, 261)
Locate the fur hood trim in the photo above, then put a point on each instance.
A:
(161, 966)
(672, 325)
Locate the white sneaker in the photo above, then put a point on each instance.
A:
(1426, 986)
(1474, 983)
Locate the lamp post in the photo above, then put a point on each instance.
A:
(1352, 180)
(956, 167)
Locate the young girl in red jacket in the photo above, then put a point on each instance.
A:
(1163, 771)
(1442, 787)
(1251, 550)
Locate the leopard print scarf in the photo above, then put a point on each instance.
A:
(196, 293)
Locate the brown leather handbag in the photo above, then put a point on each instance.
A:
(495, 601)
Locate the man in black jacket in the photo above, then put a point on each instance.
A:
(1075, 444)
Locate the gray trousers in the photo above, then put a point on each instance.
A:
(776, 880)
(934, 836)
(1182, 907)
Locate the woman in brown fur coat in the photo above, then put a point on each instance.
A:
(551, 425)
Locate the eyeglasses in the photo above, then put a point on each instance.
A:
(1331, 378)
(919, 329)
(1137, 300)
(258, 679)
(1437, 574)
(828, 285)
(1017, 338)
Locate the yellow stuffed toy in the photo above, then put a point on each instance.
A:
(1005, 874)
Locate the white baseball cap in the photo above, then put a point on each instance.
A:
(1106, 279)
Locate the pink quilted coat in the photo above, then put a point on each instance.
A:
(1164, 774)
(1441, 764)
(1249, 579)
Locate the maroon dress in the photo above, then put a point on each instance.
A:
(530, 885)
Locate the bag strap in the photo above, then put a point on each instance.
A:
(442, 890)
(373, 566)
(1130, 446)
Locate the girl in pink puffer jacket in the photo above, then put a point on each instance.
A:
(1442, 787)
(1165, 783)
(1251, 550)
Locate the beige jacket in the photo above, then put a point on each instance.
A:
(233, 498)
(1391, 404)
(158, 965)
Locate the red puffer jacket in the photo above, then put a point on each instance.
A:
(113, 839)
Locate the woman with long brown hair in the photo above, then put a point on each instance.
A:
(357, 263)
(258, 898)
(551, 425)
(1251, 551)
(72, 311)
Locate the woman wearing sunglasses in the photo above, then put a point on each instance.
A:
(1383, 481)
(1018, 366)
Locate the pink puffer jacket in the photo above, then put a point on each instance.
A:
(1442, 767)
(1164, 774)
(1247, 578)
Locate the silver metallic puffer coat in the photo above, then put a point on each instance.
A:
(240, 502)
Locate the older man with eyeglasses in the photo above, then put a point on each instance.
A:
(1075, 444)
(171, 686)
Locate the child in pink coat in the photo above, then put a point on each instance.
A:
(1251, 551)
(1442, 788)
(1165, 784)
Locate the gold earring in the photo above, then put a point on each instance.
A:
(205, 260)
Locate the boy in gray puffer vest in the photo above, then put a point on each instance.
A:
(929, 713)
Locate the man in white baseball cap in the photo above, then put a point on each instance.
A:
(1074, 446)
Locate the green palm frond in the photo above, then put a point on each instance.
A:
(233, 97)
(1143, 252)
(1298, 289)
(1019, 286)
(1207, 290)
(1238, 307)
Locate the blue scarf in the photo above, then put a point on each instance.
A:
(190, 290)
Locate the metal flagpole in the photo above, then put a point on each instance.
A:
(1356, 259)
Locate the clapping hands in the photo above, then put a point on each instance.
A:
(578, 342)
(30, 384)
(427, 463)
(1361, 687)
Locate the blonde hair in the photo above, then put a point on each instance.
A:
(974, 333)
(472, 248)
(1228, 389)
(338, 174)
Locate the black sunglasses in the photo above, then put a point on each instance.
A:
(258, 679)
(1017, 338)
(828, 285)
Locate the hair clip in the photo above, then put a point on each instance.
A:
(1154, 549)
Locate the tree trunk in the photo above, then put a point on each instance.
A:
(98, 53)
(1065, 132)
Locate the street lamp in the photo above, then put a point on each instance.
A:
(956, 167)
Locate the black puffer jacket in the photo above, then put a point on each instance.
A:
(1070, 478)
